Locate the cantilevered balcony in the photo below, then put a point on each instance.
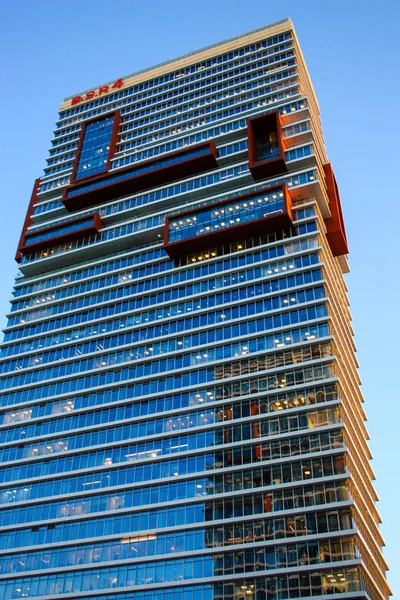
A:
(229, 220)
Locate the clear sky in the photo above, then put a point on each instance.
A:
(52, 49)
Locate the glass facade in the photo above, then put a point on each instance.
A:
(138, 171)
(95, 147)
(187, 427)
(227, 215)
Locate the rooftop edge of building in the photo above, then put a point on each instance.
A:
(188, 55)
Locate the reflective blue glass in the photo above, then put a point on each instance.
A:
(174, 429)
(33, 239)
(227, 215)
(259, 450)
(173, 279)
(178, 361)
(166, 162)
(95, 147)
(155, 426)
(148, 316)
(97, 416)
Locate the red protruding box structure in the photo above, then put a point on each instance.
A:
(335, 230)
(28, 219)
(266, 148)
(132, 179)
(230, 234)
(113, 143)
(91, 228)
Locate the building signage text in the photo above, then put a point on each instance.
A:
(104, 89)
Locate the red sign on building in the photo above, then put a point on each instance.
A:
(104, 89)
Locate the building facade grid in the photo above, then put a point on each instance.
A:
(181, 415)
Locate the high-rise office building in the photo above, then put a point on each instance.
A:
(181, 417)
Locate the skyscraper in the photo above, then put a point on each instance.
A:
(181, 416)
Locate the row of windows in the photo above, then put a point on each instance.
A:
(228, 390)
(303, 213)
(163, 385)
(276, 500)
(291, 130)
(168, 295)
(189, 112)
(159, 447)
(229, 507)
(273, 361)
(296, 585)
(299, 354)
(150, 222)
(257, 559)
(200, 98)
(170, 382)
(224, 151)
(122, 500)
(175, 144)
(227, 215)
(201, 82)
(210, 133)
(154, 268)
(219, 111)
(24, 414)
(231, 87)
(203, 338)
(174, 278)
(290, 90)
(176, 293)
(122, 261)
(272, 450)
(277, 403)
(158, 315)
(155, 572)
(279, 587)
(146, 428)
(272, 587)
(267, 47)
(138, 546)
(166, 404)
(33, 239)
(283, 556)
(113, 524)
(178, 515)
(187, 465)
(270, 237)
(299, 153)
(176, 189)
(163, 162)
(144, 545)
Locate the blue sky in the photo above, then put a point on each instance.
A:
(52, 49)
